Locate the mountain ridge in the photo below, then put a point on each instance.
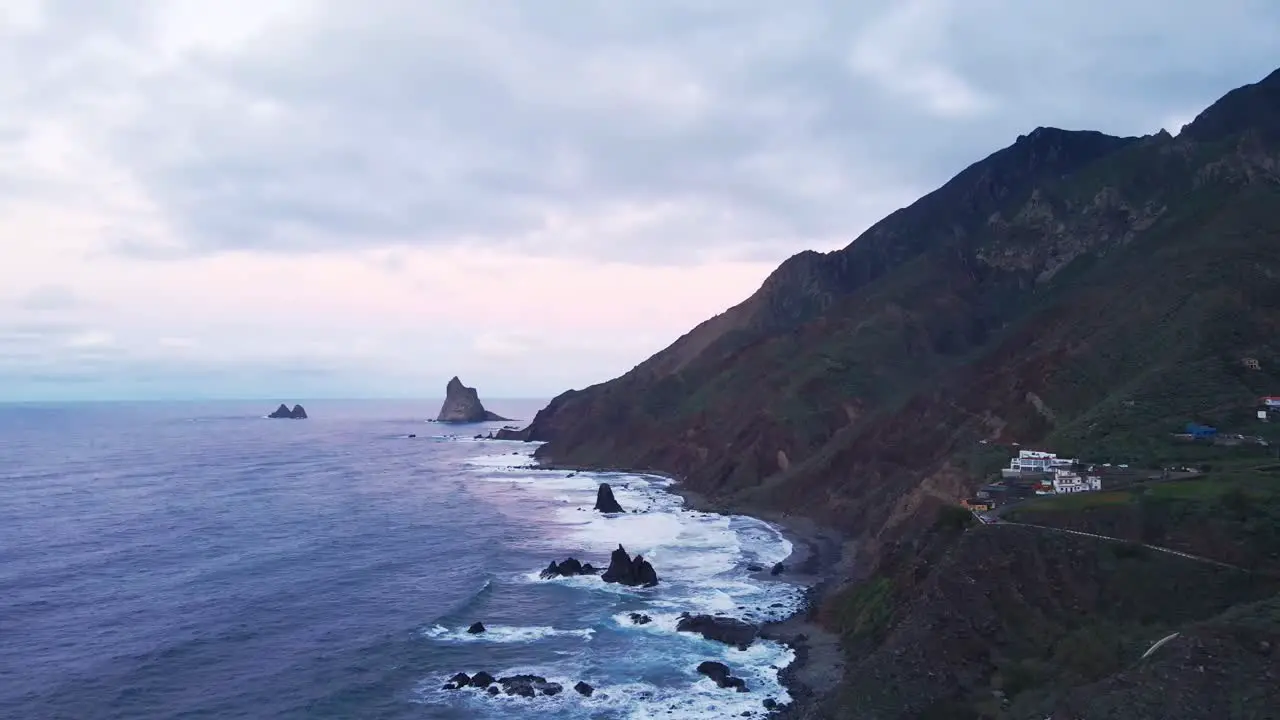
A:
(943, 282)
(1074, 291)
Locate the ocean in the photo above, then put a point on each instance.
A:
(196, 560)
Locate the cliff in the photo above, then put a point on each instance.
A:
(1083, 292)
(1087, 291)
(462, 405)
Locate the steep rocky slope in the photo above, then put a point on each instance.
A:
(1090, 291)
(1017, 622)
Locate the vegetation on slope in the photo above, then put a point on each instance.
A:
(1009, 621)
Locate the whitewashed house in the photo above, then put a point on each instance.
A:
(1065, 481)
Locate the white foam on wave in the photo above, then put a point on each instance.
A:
(503, 634)
(699, 698)
(519, 455)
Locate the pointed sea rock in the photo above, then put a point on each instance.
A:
(462, 405)
(605, 501)
(625, 571)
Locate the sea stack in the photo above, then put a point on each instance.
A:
(625, 571)
(605, 501)
(462, 405)
(283, 412)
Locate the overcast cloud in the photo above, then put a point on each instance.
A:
(334, 198)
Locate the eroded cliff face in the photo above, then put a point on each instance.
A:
(1031, 298)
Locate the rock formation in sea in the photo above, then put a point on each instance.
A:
(283, 412)
(476, 628)
(462, 405)
(568, 568)
(719, 672)
(625, 571)
(522, 685)
(729, 631)
(605, 501)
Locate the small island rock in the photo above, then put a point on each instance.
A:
(462, 405)
(283, 412)
(476, 628)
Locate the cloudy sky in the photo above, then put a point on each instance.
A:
(326, 198)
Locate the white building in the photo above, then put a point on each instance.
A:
(1036, 461)
(1069, 482)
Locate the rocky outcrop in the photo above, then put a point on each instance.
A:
(529, 686)
(605, 501)
(719, 672)
(462, 405)
(729, 631)
(520, 685)
(283, 412)
(476, 628)
(568, 568)
(625, 571)
(510, 433)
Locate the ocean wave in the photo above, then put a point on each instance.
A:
(503, 634)
(698, 699)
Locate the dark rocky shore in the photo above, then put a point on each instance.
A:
(818, 556)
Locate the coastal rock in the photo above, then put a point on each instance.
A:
(625, 571)
(493, 690)
(584, 689)
(529, 686)
(778, 569)
(729, 631)
(640, 618)
(482, 679)
(605, 501)
(719, 672)
(476, 628)
(568, 568)
(283, 412)
(461, 680)
(462, 405)
(755, 568)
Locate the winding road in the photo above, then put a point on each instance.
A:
(993, 519)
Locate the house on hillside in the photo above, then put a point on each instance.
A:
(1069, 482)
(1036, 461)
